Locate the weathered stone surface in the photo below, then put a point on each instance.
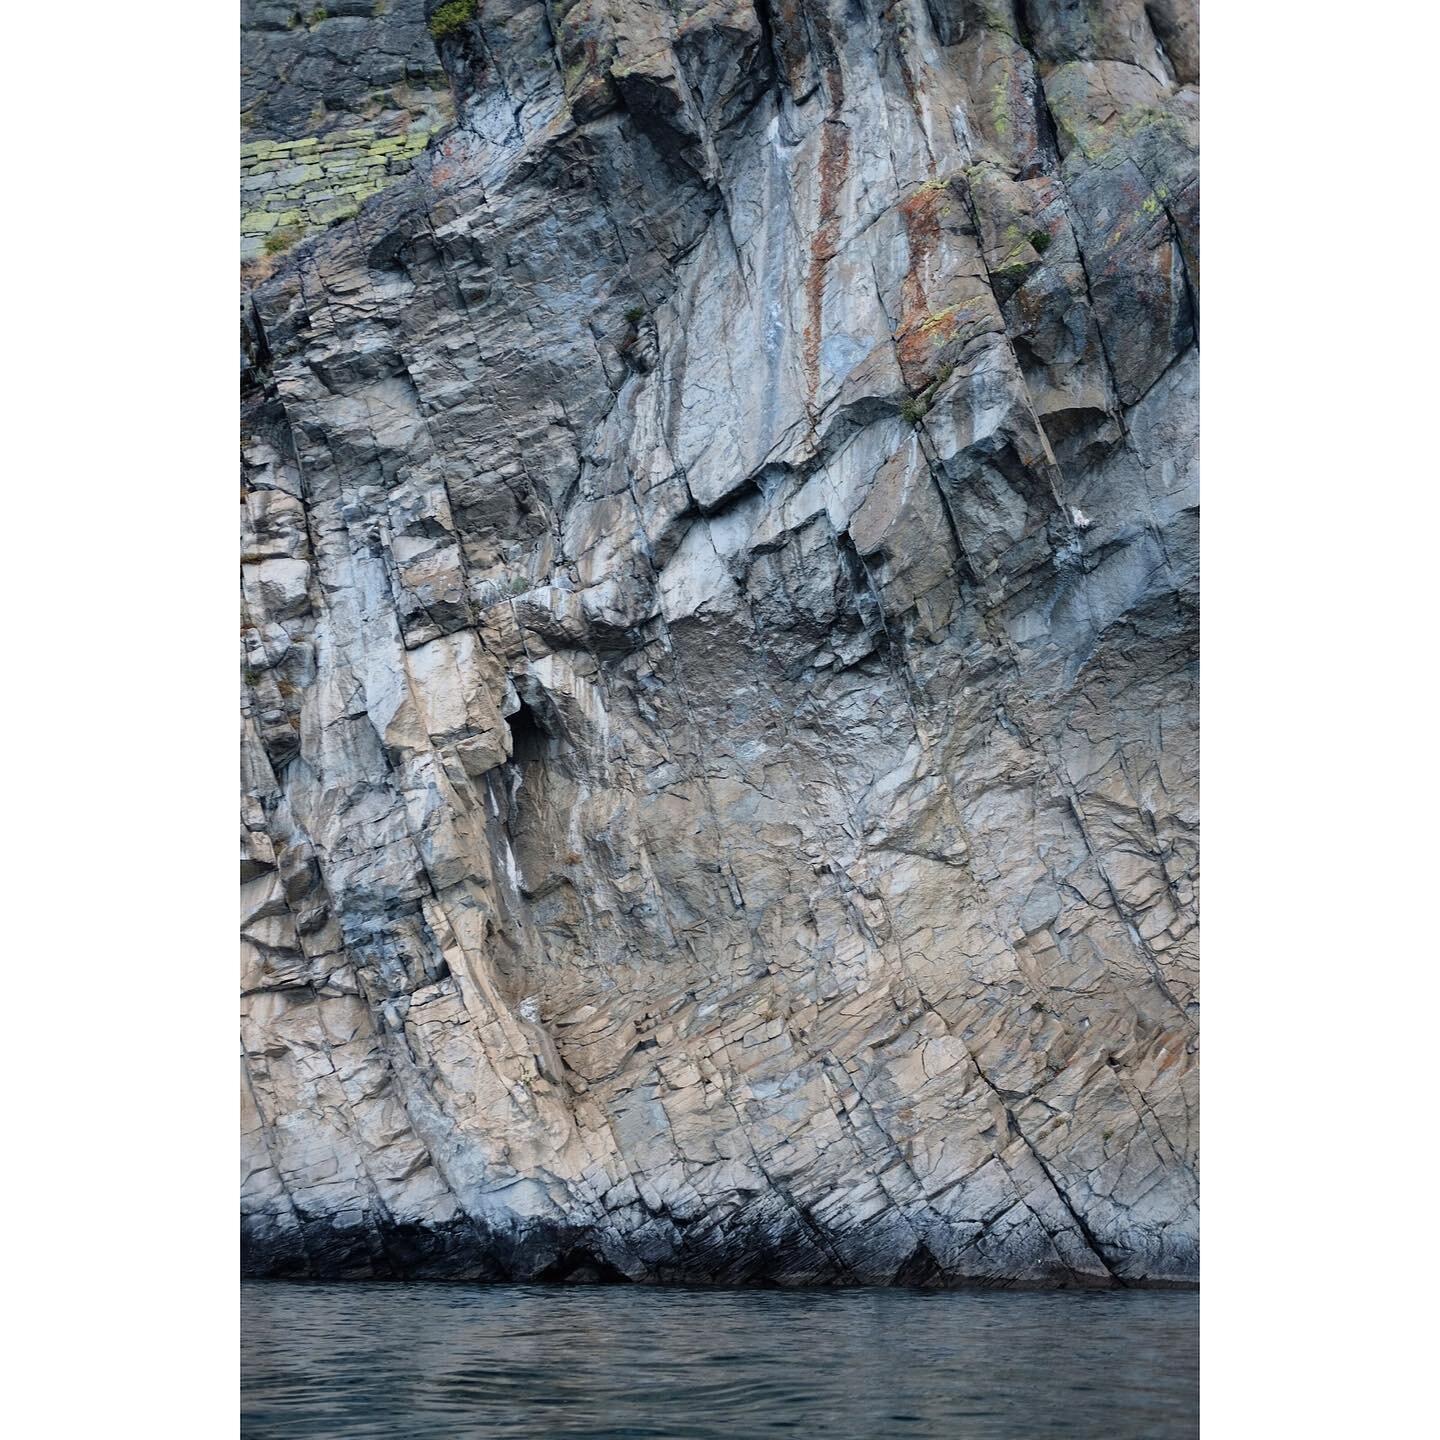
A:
(719, 635)
(337, 100)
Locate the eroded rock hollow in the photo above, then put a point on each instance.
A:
(719, 619)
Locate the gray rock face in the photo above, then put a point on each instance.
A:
(306, 67)
(719, 622)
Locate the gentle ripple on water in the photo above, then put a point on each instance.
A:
(355, 1361)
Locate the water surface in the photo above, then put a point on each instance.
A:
(348, 1362)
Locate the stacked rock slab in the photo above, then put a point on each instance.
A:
(719, 792)
(337, 100)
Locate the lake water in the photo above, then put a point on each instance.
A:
(351, 1361)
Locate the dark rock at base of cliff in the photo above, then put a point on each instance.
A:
(781, 1257)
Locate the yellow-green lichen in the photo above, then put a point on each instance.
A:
(1000, 107)
(950, 315)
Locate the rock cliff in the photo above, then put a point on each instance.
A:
(719, 757)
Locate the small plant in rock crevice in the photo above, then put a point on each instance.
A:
(451, 18)
(635, 314)
(280, 240)
(912, 409)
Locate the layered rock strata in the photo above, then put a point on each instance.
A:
(719, 621)
(337, 100)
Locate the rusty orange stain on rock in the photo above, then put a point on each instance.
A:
(834, 169)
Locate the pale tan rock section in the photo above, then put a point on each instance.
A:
(719, 618)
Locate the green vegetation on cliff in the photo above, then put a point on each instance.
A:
(451, 17)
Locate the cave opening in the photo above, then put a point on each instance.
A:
(529, 739)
